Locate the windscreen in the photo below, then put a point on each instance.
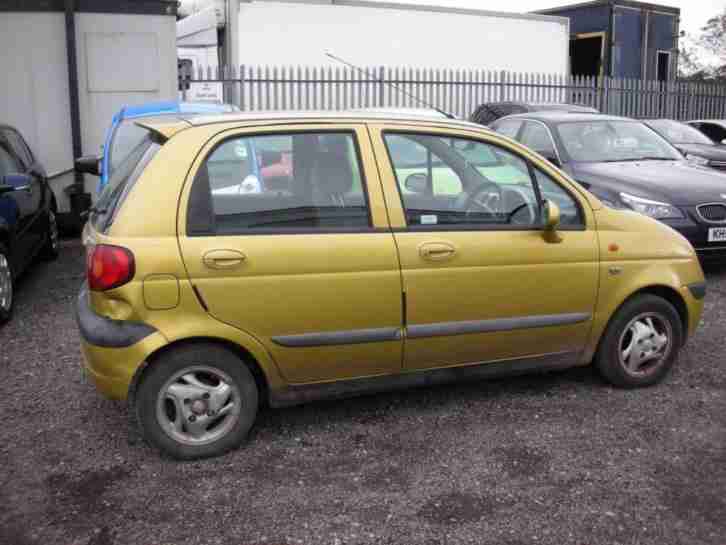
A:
(679, 133)
(614, 141)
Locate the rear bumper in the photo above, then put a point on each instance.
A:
(113, 350)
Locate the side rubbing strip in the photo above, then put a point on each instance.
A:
(486, 326)
(355, 336)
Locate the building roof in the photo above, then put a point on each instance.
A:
(617, 3)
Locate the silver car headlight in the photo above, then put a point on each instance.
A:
(697, 160)
(654, 209)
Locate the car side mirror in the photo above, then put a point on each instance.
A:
(15, 182)
(551, 213)
(417, 182)
(723, 141)
(89, 164)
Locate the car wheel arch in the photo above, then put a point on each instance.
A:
(245, 356)
(663, 291)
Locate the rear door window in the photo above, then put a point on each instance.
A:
(509, 128)
(536, 137)
(20, 148)
(291, 182)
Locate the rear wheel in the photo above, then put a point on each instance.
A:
(6, 286)
(641, 343)
(196, 401)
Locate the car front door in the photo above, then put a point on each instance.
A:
(16, 206)
(35, 194)
(304, 259)
(482, 281)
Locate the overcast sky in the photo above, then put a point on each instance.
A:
(694, 13)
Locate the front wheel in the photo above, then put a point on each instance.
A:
(641, 342)
(196, 401)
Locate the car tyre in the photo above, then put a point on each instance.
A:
(51, 248)
(196, 401)
(641, 343)
(7, 287)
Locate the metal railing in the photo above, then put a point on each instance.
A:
(458, 91)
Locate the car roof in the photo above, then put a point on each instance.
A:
(170, 125)
(719, 121)
(172, 107)
(560, 116)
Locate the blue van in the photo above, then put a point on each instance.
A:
(124, 135)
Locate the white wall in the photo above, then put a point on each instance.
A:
(294, 33)
(122, 60)
(34, 97)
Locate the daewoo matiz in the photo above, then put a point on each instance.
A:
(393, 252)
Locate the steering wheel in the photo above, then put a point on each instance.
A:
(486, 197)
(532, 215)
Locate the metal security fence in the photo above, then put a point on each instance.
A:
(458, 91)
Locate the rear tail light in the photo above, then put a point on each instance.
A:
(109, 267)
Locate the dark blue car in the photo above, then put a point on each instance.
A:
(27, 214)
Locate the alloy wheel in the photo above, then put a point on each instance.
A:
(198, 405)
(645, 343)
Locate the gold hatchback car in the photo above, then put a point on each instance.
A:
(283, 257)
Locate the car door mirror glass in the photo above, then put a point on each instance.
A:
(417, 182)
(89, 164)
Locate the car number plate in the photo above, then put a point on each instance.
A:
(717, 234)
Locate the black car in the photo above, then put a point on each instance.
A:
(628, 165)
(27, 214)
(696, 146)
(489, 112)
(715, 129)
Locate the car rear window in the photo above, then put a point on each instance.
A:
(122, 181)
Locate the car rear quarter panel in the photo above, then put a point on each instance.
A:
(147, 225)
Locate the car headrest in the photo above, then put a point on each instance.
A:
(332, 173)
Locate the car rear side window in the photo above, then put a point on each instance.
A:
(20, 148)
(295, 182)
(122, 182)
(509, 128)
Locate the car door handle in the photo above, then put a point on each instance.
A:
(436, 251)
(223, 259)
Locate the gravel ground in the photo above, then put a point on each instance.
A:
(558, 459)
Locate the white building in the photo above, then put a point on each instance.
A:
(69, 65)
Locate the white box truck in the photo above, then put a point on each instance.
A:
(365, 33)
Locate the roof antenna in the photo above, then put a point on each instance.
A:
(402, 91)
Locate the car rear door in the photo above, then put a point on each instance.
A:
(303, 259)
(479, 289)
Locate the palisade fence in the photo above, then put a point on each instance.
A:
(458, 91)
